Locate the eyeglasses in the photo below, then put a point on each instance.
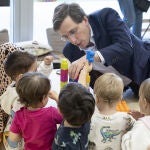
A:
(71, 33)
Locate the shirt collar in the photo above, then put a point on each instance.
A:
(92, 36)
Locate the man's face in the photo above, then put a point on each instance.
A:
(77, 34)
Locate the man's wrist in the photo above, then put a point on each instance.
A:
(101, 58)
(97, 58)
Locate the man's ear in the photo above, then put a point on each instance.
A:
(85, 19)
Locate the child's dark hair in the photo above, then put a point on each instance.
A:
(76, 104)
(17, 63)
(32, 88)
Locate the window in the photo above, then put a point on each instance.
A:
(5, 16)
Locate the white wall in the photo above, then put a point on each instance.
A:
(21, 20)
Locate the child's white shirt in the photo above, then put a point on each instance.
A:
(139, 136)
(45, 69)
(107, 130)
(8, 98)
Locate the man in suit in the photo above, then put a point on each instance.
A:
(105, 33)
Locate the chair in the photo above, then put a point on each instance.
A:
(54, 40)
(4, 37)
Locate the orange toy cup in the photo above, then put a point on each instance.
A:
(122, 106)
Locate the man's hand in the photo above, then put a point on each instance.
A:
(76, 67)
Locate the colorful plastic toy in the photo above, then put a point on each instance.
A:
(122, 106)
(90, 56)
(63, 73)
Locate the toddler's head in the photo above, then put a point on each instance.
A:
(33, 88)
(48, 60)
(144, 97)
(109, 88)
(76, 104)
(5, 50)
(18, 63)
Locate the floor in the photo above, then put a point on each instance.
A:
(131, 100)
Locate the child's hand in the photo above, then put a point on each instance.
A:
(87, 67)
(84, 73)
(135, 114)
(48, 60)
(53, 95)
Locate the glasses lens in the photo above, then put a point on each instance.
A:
(63, 39)
(72, 33)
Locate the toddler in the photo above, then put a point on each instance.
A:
(36, 124)
(139, 137)
(16, 64)
(46, 66)
(5, 50)
(77, 105)
(108, 125)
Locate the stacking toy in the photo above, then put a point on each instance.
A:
(122, 106)
(63, 73)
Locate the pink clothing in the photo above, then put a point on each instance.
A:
(37, 127)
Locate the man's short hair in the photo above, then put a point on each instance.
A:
(63, 10)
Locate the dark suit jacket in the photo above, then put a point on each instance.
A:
(119, 47)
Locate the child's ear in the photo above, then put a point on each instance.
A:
(19, 77)
(121, 98)
(145, 103)
(44, 100)
(97, 100)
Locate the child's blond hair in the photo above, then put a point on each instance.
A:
(109, 87)
(145, 89)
